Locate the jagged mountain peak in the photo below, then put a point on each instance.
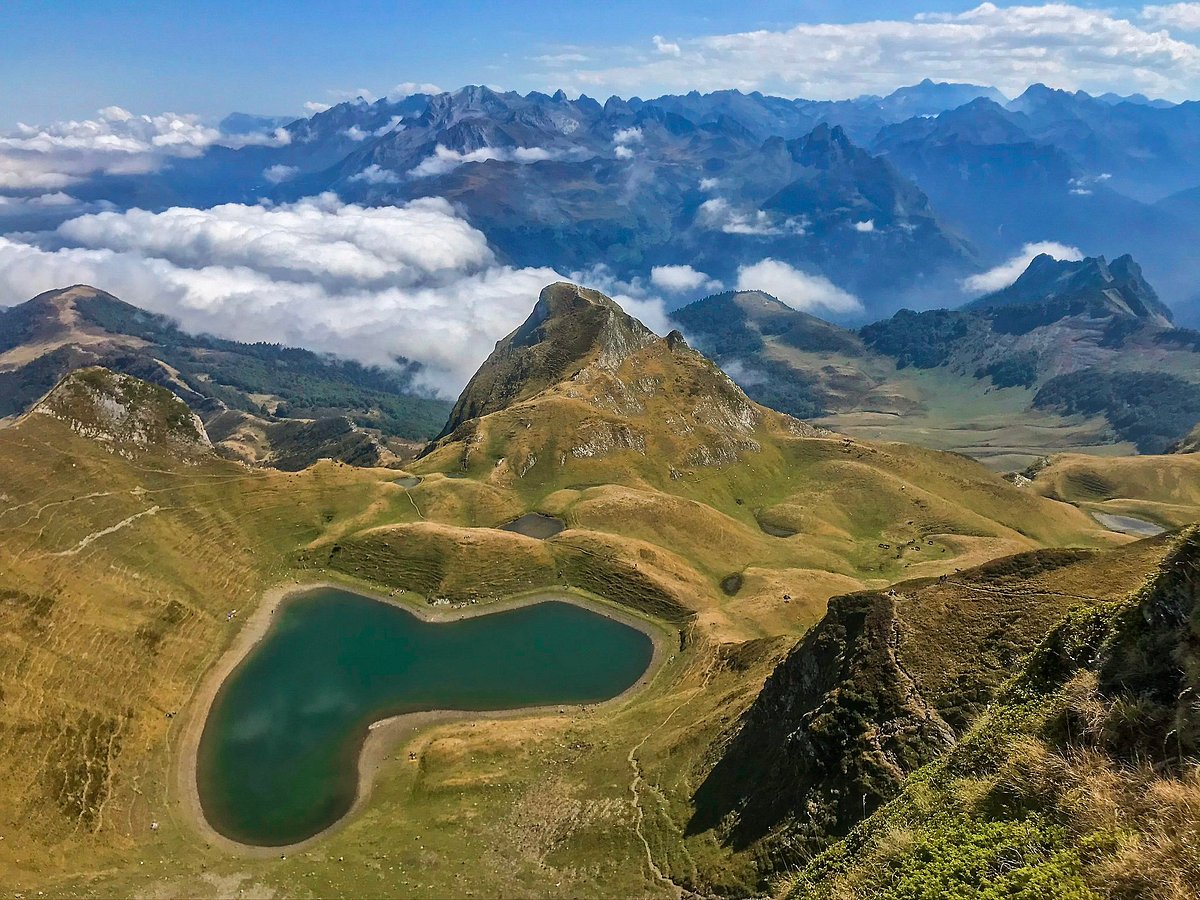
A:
(826, 146)
(581, 382)
(1106, 289)
(570, 327)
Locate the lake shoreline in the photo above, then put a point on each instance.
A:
(386, 735)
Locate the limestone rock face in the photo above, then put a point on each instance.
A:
(124, 413)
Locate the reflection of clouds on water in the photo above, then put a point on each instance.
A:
(277, 720)
(252, 726)
(325, 700)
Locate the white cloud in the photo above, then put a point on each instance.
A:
(443, 159)
(314, 107)
(1173, 16)
(718, 214)
(710, 184)
(17, 176)
(668, 48)
(117, 142)
(393, 124)
(1082, 186)
(745, 376)
(622, 139)
(280, 173)
(408, 88)
(367, 283)
(561, 59)
(865, 227)
(58, 198)
(1061, 44)
(681, 278)
(376, 174)
(799, 290)
(531, 154)
(16, 207)
(355, 133)
(1010, 270)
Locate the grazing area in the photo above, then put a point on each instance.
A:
(135, 560)
(1162, 491)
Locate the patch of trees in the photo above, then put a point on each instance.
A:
(1017, 370)
(1154, 410)
(923, 340)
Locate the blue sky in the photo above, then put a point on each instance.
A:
(67, 59)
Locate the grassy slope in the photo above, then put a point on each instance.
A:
(1080, 782)
(882, 685)
(102, 643)
(1160, 489)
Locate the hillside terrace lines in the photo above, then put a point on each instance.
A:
(96, 535)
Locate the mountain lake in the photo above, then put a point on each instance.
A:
(278, 760)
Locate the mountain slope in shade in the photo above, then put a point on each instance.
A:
(1093, 734)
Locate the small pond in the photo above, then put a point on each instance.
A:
(1128, 525)
(536, 525)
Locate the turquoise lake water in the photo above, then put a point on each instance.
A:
(278, 759)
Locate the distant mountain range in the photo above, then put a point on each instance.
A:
(1072, 354)
(893, 198)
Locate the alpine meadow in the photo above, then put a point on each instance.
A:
(717, 452)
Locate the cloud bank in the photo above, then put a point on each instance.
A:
(370, 284)
(1010, 270)
(799, 290)
(1064, 45)
(116, 142)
